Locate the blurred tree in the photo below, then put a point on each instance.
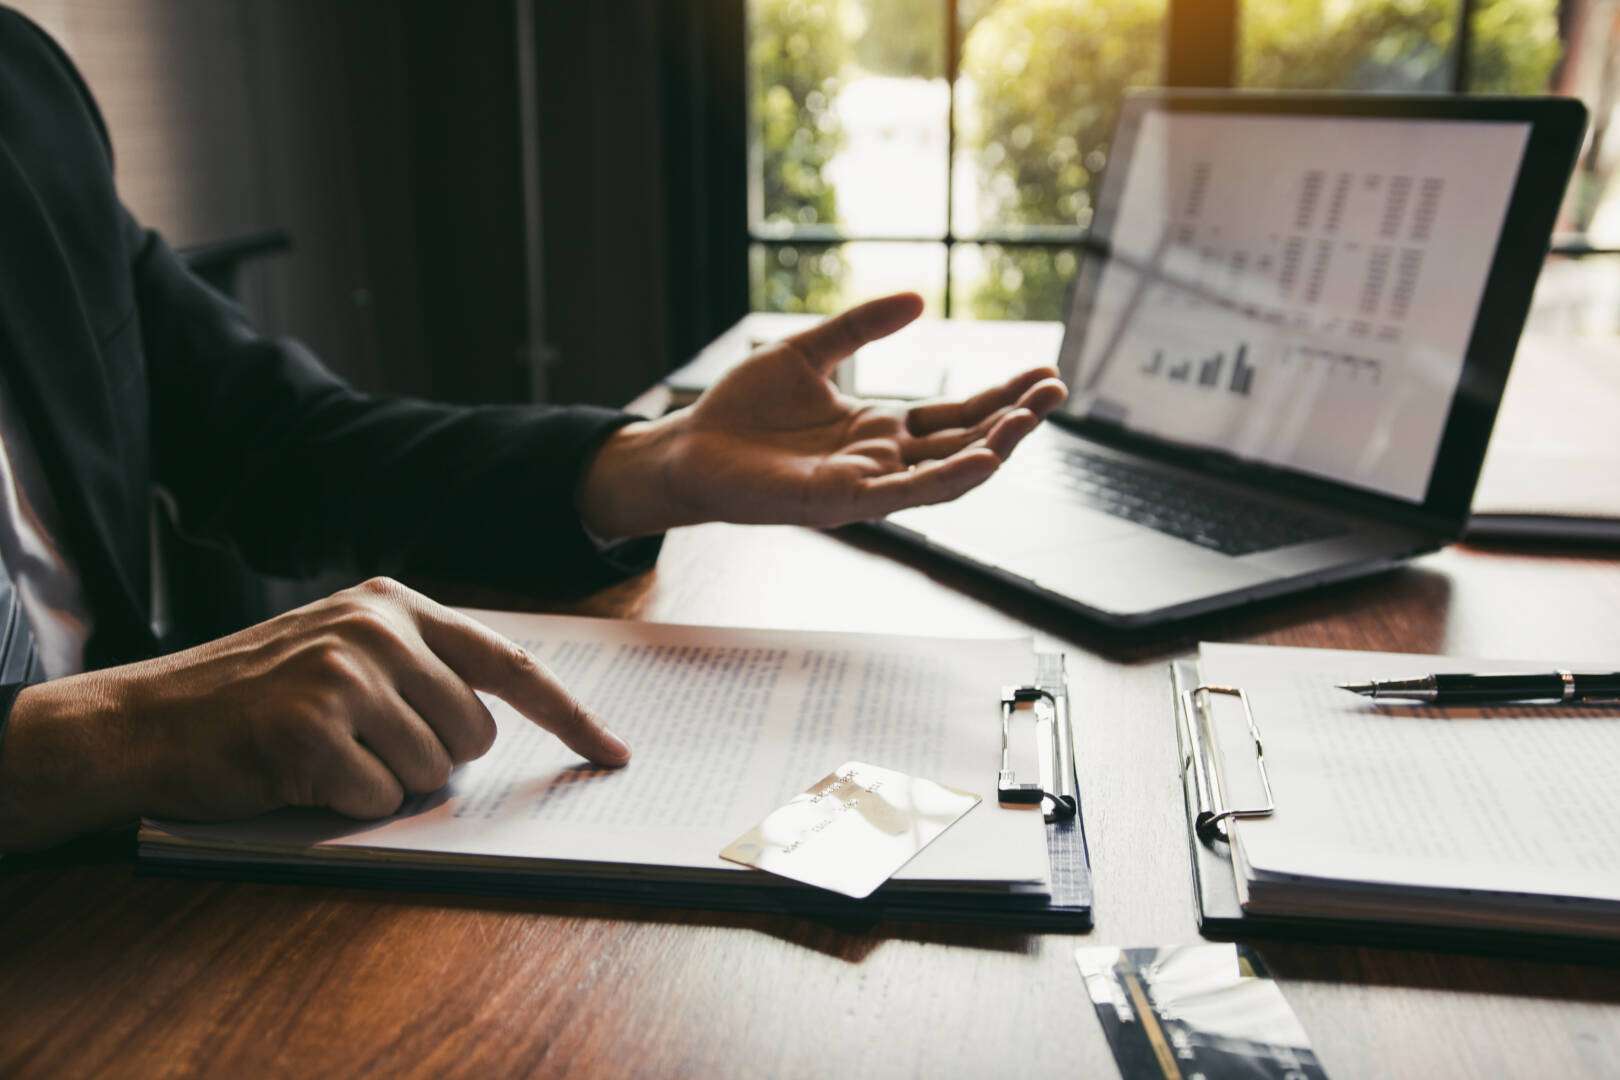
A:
(1318, 45)
(1516, 46)
(907, 37)
(796, 55)
(900, 37)
(1041, 82)
(798, 277)
(1397, 45)
(1047, 76)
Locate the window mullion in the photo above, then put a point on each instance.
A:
(1201, 43)
(952, 61)
(1462, 44)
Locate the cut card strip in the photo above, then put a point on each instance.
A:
(1185, 1011)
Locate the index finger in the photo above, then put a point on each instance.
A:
(492, 662)
(833, 339)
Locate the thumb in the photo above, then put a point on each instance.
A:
(830, 341)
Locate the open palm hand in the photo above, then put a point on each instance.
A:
(775, 442)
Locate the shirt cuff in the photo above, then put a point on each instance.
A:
(8, 698)
(627, 555)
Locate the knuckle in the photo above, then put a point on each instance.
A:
(364, 795)
(381, 800)
(423, 782)
(385, 588)
(331, 667)
(429, 767)
(484, 734)
(434, 775)
(305, 732)
(369, 627)
(473, 738)
(520, 662)
(294, 788)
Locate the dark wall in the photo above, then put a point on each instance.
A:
(396, 130)
(460, 114)
(232, 117)
(641, 122)
(389, 138)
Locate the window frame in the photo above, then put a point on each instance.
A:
(1201, 50)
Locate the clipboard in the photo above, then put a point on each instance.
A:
(1221, 915)
(1068, 907)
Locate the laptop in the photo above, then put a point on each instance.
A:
(1285, 345)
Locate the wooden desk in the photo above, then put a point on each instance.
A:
(106, 973)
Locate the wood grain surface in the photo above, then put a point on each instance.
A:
(107, 973)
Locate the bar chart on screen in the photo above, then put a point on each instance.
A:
(1209, 370)
(1214, 374)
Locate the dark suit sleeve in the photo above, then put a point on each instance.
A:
(261, 446)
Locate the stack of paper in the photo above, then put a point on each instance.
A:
(1553, 468)
(726, 726)
(1500, 818)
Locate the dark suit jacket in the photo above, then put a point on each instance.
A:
(131, 373)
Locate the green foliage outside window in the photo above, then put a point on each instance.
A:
(1516, 46)
(796, 53)
(1311, 45)
(1398, 45)
(901, 37)
(1046, 80)
(1109, 45)
(1041, 83)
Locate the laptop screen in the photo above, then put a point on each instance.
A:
(1297, 291)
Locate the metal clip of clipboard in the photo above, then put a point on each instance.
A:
(1205, 761)
(1056, 789)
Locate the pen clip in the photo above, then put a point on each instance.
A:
(1572, 694)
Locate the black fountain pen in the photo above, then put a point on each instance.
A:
(1556, 687)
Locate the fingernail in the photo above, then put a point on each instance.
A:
(615, 741)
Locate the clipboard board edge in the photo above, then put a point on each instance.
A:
(1222, 918)
(1066, 845)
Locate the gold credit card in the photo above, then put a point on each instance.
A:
(852, 830)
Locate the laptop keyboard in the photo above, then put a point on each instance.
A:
(1218, 520)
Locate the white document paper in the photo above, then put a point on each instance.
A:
(725, 725)
(1519, 800)
(1553, 449)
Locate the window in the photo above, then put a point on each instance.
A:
(953, 146)
(947, 148)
